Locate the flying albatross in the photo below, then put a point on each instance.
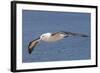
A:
(52, 37)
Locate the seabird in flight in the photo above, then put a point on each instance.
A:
(52, 37)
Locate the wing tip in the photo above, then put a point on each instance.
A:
(84, 36)
(30, 50)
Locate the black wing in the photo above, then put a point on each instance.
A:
(32, 44)
(67, 34)
(75, 34)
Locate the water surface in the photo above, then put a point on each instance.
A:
(72, 48)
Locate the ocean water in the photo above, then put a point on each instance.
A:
(72, 48)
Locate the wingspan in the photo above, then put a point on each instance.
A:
(32, 44)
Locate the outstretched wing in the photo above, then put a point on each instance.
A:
(75, 34)
(67, 34)
(32, 44)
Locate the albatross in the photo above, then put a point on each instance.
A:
(52, 37)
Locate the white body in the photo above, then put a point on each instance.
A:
(47, 37)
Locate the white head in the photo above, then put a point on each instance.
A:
(45, 36)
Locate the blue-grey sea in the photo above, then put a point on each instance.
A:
(34, 23)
